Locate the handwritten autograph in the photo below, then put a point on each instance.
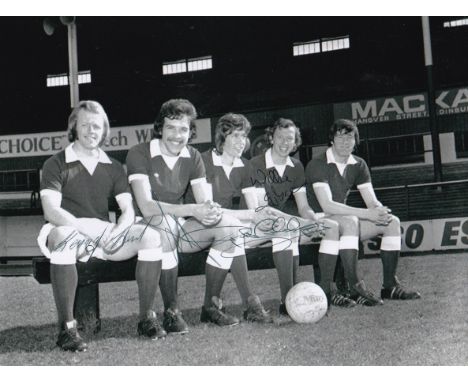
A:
(76, 240)
(271, 176)
(274, 197)
(264, 230)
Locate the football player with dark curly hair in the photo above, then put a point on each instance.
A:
(330, 177)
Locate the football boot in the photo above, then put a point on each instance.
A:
(150, 327)
(255, 311)
(69, 338)
(173, 321)
(216, 314)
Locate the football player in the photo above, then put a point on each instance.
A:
(75, 187)
(280, 175)
(329, 178)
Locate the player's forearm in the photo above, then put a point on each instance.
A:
(307, 214)
(126, 219)
(90, 227)
(244, 215)
(334, 208)
(60, 217)
(156, 208)
(373, 204)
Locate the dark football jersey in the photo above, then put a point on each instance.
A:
(321, 170)
(84, 195)
(278, 188)
(167, 184)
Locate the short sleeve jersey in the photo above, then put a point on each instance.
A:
(320, 170)
(227, 191)
(278, 188)
(84, 195)
(167, 185)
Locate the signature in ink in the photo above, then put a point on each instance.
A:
(113, 244)
(274, 227)
(271, 176)
(72, 242)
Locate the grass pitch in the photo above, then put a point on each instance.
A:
(429, 331)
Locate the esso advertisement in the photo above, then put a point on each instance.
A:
(428, 235)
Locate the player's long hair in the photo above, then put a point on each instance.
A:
(283, 123)
(226, 125)
(91, 107)
(343, 125)
(176, 109)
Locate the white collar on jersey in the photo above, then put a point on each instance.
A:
(331, 158)
(269, 160)
(217, 161)
(155, 150)
(70, 155)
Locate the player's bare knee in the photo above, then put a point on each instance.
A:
(149, 238)
(349, 225)
(332, 231)
(393, 227)
(228, 226)
(59, 235)
(167, 228)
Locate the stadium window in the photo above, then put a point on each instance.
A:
(455, 23)
(336, 43)
(320, 45)
(54, 80)
(187, 65)
(303, 48)
(200, 63)
(174, 67)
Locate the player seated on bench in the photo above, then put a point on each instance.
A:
(278, 176)
(329, 179)
(76, 185)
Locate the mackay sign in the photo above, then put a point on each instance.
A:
(396, 108)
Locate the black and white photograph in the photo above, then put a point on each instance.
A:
(233, 188)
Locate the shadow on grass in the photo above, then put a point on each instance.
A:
(42, 338)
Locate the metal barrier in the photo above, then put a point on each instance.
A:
(13, 183)
(439, 188)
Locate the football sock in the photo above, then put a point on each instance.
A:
(283, 261)
(147, 274)
(64, 280)
(295, 268)
(339, 277)
(315, 265)
(390, 263)
(327, 265)
(214, 282)
(168, 287)
(239, 272)
(349, 258)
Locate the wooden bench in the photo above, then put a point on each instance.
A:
(90, 274)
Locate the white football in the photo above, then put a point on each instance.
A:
(306, 303)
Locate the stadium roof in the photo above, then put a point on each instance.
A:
(253, 64)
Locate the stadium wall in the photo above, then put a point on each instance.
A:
(380, 117)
